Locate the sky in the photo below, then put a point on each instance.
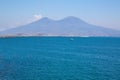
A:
(14, 13)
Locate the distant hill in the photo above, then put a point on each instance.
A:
(67, 26)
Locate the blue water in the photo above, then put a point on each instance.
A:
(59, 58)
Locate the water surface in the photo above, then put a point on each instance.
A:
(60, 58)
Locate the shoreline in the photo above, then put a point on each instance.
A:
(20, 36)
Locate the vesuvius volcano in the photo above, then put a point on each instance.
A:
(67, 26)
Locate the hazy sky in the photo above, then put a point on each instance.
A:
(99, 12)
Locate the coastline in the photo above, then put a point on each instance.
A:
(19, 36)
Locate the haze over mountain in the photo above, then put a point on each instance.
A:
(67, 26)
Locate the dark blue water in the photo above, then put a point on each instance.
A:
(59, 58)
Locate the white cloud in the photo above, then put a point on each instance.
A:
(12, 24)
(34, 18)
(37, 17)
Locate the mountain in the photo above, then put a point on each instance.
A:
(67, 26)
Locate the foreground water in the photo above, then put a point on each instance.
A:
(59, 58)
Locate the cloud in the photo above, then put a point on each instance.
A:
(13, 24)
(37, 17)
(34, 18)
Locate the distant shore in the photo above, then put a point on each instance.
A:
(14, 36)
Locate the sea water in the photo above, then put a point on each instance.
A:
(60, 58)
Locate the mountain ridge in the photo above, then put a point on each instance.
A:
(67, 26)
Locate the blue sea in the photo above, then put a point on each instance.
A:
(60, 58)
